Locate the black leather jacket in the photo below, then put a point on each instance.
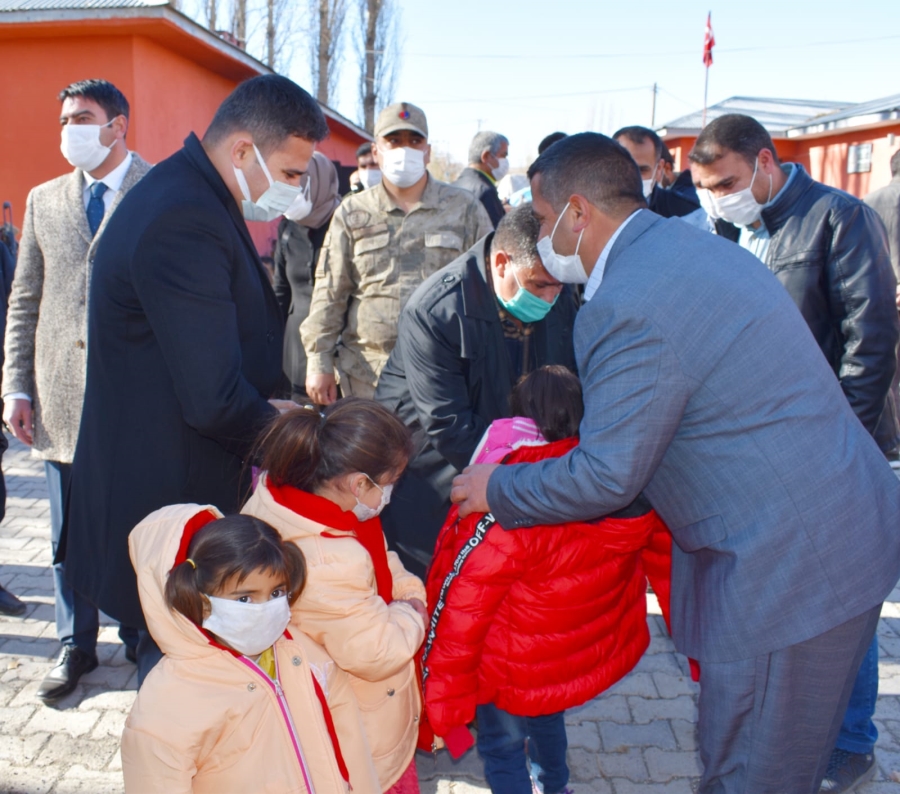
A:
(830, 252)
(448, 377)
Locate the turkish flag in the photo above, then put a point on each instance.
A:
(709, 41)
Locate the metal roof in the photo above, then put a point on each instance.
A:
(776, 115)
(865, 114)
(59, 5)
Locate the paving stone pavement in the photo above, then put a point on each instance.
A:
(638, 737)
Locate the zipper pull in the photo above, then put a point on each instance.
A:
(278, 690)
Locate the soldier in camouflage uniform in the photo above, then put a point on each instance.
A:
(381, 245)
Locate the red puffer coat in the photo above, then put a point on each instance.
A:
(537, 620)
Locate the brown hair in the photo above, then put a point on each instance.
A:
(306, 448)
(551, 397)
(232, 546)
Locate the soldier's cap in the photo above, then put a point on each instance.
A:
(401, 116)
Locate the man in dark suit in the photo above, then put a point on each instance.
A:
(185, 336)
(705, 390)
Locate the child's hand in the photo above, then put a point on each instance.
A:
(417, 605)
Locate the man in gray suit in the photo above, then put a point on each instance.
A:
(705, 390)
(45, 355)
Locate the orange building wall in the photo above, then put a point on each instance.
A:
(173, 84)
(828, 159)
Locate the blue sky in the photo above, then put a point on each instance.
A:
(528, 68)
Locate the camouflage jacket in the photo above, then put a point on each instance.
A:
(373, 259)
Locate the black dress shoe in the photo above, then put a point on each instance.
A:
(62, 679)
(10, 605)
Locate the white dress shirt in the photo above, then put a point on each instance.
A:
(113, 181)
(596, 277)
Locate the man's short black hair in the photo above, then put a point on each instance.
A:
(517, 235)
(271, 108)
(104, 93)
(733, 132)
(594, 166)
(667, 155)
(895, 163)
(552, 138)
(638, 135)
(364, 150)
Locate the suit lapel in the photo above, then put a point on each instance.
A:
(133, 175)
(75, 202)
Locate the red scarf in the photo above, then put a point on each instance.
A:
(324, 511)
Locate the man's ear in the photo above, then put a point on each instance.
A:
(120, 126)
(242, 151)
(766, 161)
(428, 154)
(582, 209)
(500, 261)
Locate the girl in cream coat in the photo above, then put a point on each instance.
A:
(326, 478)
(209, 719)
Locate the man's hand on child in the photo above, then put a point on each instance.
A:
(470, 489)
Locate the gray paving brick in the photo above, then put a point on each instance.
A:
(645, 710)
(664, 766)
(623, 762)
(656, 734)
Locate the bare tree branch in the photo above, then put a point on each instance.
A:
(326, 52)
(379, 52)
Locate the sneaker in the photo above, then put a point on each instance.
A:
(847, 770)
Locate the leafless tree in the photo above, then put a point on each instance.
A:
(212, 8)
(326, 27)
(379, 51)
(239, 22)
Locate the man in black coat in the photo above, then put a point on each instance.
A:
(185, 336)
(466, 336)
(488, 164)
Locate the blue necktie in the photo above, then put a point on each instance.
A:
(95, 207)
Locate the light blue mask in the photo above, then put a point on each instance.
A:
(525, 306)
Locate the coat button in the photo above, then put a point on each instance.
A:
(390, 693)
(79, 344)
(448, 279)
(251, 687)
(295, 661)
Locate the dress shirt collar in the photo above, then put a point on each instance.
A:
(113, 180)
(596, 277)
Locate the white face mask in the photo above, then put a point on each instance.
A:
(300, 206)
(740, 208)
(648, 183)
(364, 512)
(369, 177)
(248, 628)
(567, 269)
(502, 168)
(81, 146)
(403, 166)
(273, 202)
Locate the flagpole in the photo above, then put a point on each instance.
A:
(705, 93)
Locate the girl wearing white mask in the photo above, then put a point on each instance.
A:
(240, 701)
(326, 478)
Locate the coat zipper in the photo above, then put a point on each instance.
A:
(286, 714)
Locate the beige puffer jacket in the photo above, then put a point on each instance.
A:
(209, 721)
(373, 641)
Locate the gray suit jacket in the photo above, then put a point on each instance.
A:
(886, 202)
(46, 332)
(705, 389)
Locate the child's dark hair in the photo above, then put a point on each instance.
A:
(551, 397)
(232, 546)
(304, 448)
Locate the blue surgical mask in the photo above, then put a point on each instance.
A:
(525, 306)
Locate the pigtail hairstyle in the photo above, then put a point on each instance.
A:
(551, 397)
(305, 448)
(231, 546)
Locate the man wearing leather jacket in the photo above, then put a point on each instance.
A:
(830, 252)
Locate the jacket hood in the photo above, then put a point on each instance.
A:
(156, 545)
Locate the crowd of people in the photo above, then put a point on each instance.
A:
(414, 479)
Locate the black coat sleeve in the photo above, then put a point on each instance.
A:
(437, 379)
(181, 272)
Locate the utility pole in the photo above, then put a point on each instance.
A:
(653, 109)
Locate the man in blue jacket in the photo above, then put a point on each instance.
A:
(704, 389)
